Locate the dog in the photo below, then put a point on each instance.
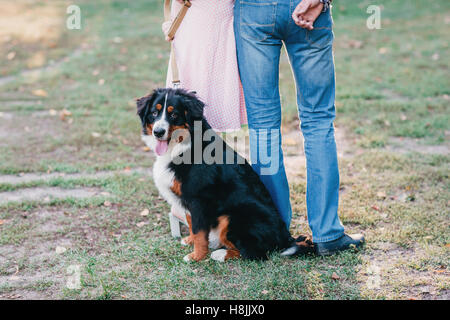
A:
(227, 199)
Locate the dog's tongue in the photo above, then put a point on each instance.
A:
(161, 147)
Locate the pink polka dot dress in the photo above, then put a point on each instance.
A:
(205, 52)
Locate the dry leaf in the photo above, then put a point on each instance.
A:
(40, 93)
(117, 40)
(440, 271)
(96, 134)
(11, 55)
(435, 56)
(60, 250)
(381, 194)
(376, 208)
(447, 245)
(141, 224)
(36, 60)
(383, 50)
(264, 292)
(146, 149)
(64, 113)
(334, 276)
(145, 212)
(107, 203)
(2, 222)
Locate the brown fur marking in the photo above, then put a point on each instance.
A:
(232, 252)
(149, 129)
(172, 129)
(176, 187)
(158, 107)
(170, 109)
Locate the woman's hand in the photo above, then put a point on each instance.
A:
(165, 28)
(306, 13)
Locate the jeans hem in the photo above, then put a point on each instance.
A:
(327, 239)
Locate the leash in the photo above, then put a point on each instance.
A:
(174, 219)
(171, 34)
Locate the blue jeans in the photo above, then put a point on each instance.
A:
(261, 27)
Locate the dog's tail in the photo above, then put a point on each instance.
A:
(301, 245)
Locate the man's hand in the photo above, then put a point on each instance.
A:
(306, 13)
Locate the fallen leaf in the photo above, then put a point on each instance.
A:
(264, 292)
(60, 250)
(145, 212)
(383, 50)
(141, 224)
(146, 149)
(376, 208)
(37, 60)
(64, 113)
(11, 55)
(440, 271)
(107, 203)
(101, 82)
(40, 93)
(2, 222)
(435, 57)
(334, 276)
(447, 245)
(95, 134)
(381, 194)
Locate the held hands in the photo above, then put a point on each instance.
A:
(306, 13)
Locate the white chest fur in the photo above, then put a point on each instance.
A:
(164, 179)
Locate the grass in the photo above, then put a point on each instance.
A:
(392, 92)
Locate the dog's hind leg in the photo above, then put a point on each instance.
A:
(231, 252)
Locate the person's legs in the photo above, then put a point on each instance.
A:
(258, 52)
(311, 57)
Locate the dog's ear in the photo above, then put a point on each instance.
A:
(145, 103)
(194, 109)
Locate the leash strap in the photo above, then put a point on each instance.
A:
(173, 29)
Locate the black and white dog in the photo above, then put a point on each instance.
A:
(227, 199)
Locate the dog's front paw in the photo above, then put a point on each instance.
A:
(194, 257)
(219, 255)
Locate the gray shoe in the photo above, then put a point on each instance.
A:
(343, 243)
